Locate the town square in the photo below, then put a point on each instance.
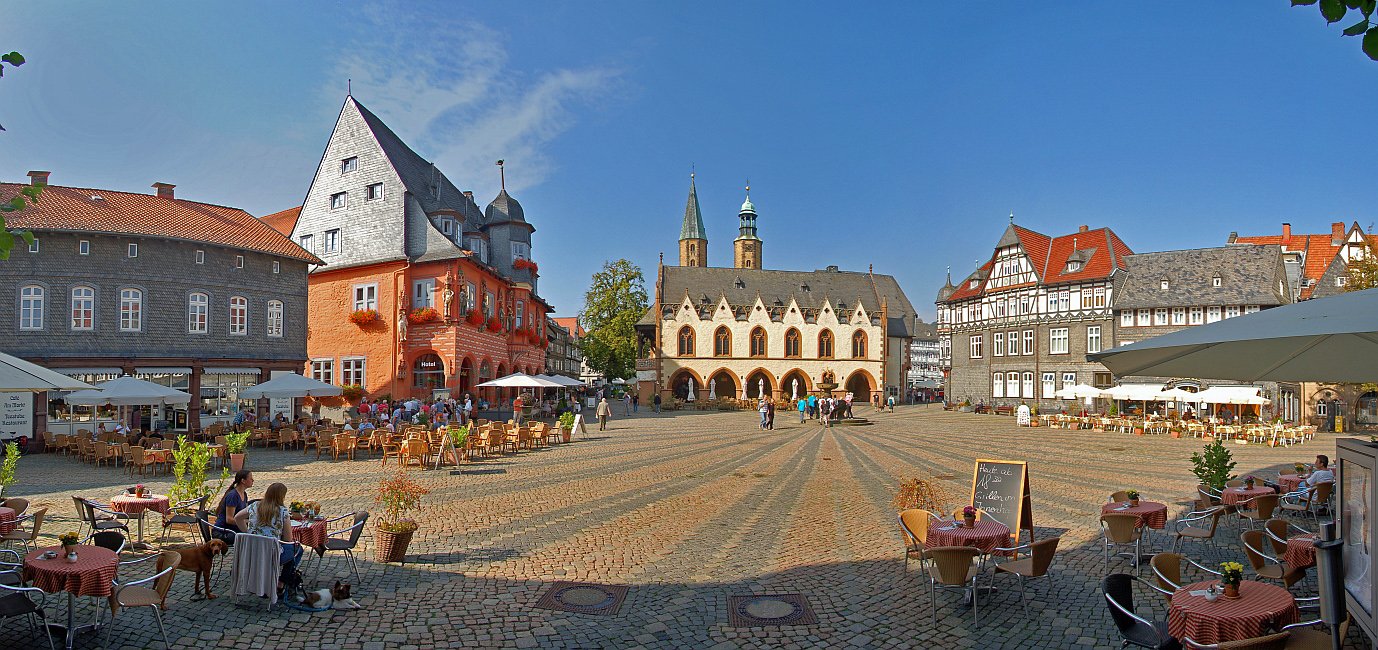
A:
(619, 325)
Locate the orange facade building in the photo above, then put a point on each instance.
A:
(420, 291)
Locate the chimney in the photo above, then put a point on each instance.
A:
(1286, 235)
(469, 194)
(1337, 233)
(1234, 237)
(38, 178)
(164, 190)
(1081, 228)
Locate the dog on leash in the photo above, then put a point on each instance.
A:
(336, 597)
(198, 560)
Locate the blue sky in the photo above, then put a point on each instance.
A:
(898, 135)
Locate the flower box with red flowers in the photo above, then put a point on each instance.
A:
(474, 318)
(351, 392)
(495, 324)
(423, 315)
(523, 263)
(364, 316)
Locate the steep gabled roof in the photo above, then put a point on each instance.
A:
(1100, 251)
(79, 209)
(1249, 275)
(1319, 253)
(693, 221)
(283, 222)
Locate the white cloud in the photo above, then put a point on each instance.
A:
(446, 87)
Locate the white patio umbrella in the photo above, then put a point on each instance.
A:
(1332, 339)
(562, 380)
(291, 385)
(619, 381)
(128, 391)
(20, 376)
(1178, 395)
(1078, 391)
(519, 380)
(1231, 395)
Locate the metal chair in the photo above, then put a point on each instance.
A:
(16, 601)
(1262, 510)
(952, 568)
(22, 536)
(1278, 530)
(101, 517)
(210, 531)
(1118, 530)
(1188, 526)
(914, 524)
(1308, 501)
(1035, 566)
(1134, 629)
(110, 539)
(184, 513)
(347, 546)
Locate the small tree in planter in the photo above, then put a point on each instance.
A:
(919, 493)
(234, 445)
(566, 426)
(459, 435)
(189, 462)
(8, 467)
(399, 496)
(1212, 466)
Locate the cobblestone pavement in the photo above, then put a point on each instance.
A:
(687, 509)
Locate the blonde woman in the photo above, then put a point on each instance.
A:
(268, 517)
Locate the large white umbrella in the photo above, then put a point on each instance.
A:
(128, 391)
(1333, 339)
(20, 376)
(1231, 395)
(561, 380)
(1134, 392)
(291, 385)
(1078, 391)
(1178, 395)
(519, 380)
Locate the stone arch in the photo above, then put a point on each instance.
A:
(860, 384)
(787, 380)
(466, 376)
(753, 383)
(724, 384)
(679, 383)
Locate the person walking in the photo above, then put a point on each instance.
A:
(825, 411)
(813, 406)
(656, 401)
(764, 410)
(603, 412)
(636, 402)
(803, 404)
(890, 403)
(626, 403)
(770, 415)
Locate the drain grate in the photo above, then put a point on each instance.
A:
(583, 598)
(769, 609)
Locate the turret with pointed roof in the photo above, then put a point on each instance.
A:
(693, 238)
(746, 248)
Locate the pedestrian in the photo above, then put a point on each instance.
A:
(517, 403)
(603, 412)
(825, 411)
(890, 403)
(813, 406)
(764, 410)
(627, 403)
(636, 402)
(770, 415)
(656, 401)
(803, 404)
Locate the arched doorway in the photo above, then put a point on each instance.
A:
(1366, 410)
(679, 384)
(723, 385)
(500, 394)
(428, 373)
(485, 374)
(466, 376)
(860, 385)
(795, 384)
(758, 380)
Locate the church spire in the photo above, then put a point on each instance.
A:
(746, 248)
(693, 237)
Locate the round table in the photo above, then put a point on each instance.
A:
(1290, 482)
(1152, 513)
(310, 534)
(132, 505)
(987, 535)
(90, 575)
(1301, 551)
(1259, 608)
(1231, 496)
(7, 520)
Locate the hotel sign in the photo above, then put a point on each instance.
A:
(16, 415)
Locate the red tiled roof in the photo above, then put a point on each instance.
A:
(571, 323)
(1049, 258)
(965, 290)
(1319, 252)
(1035, 245)
(284, 222)
(148, 215)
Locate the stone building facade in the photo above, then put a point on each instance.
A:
(202, 298)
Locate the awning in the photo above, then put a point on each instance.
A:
(1231, 395)
(72, 372)
(231, 371)
(1135, 392)
(163, 370)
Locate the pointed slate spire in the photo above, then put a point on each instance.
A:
(693, 220)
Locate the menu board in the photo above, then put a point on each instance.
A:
(16, 415)
(1001, 489)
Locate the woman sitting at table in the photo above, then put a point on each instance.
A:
(268, 517)
(235, 499)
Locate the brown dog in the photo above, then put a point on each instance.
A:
(199, 560)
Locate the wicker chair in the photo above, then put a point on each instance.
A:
(343, 443)
(1262, 510)
(1278, 530)
(26, 537)
(914, 524)
(1308, 501)
(17, 504)
(1118, 529)
(1119, 497)
(134, 593)
(139, 460)
(1275, 641)
(1035, 566)
(394, 448)
(1167, 568)
(415, 450)
(1191, 526)
(1266, 566)
(952, 568)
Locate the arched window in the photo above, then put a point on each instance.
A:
(859, 345)
(31, 308)
(83, 308)
(722, 342)
(131, 310)
(825, 344)
(758, 342)
(792, 343)
(239, 315)
(686, 341)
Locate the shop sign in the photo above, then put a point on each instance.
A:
(16, 415)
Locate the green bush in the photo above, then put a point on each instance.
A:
(567, 420)
(8, 467)
(1212, 466)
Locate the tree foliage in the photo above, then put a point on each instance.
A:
(1212, 466)
(1362, 271)
(1335, 10)
(27, 195)
(615, 301)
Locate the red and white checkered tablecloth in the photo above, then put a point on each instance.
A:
(132, 505)
(7, 521)
(1290, 482)
(1301, 551)
(987, 535)
(1152, 513)
(90, 575)
(1232, 496)
(311, 535)
(1259, 608)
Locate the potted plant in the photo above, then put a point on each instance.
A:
(459, 435)
(362, 317)
(399, 496)
(566, 426)
(969, 516)
(1213, 464)
(1133, 497)
(1248, 482)
(234, 446)
(8, 467)
(139, 491)
(69, 542)
(1175, 431)
(1299, 467)
(1231, 574)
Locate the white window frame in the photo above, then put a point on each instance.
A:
(1069, 379)
(86, 320)
(1196, 315)
(1057, 340)
(350, 164)
(1126, 318)
(1011, 384)
(200, 257)
(1251, 309)
(1179, 315)
(997, 384)
(277, 267)
(521, 311)
(31, 299)
(423, 293)
(1160, 316)
(1093, 339)
(84, 247)
(1028, 384)
(1231, 311)
(33, 245)
(198, 313)
(521, 250)
(1322, 408)
(239, 316)
(331, 242)
(1098, 297)
(339, 200)
(1145, 317)
(275, 318)
(239, 261)
(1049, 384)
(131, 310)
(1028, 342)
(1213, 314)
(323, 370)
(354, 370)
(998, 345)
(1216, 281)
(133, 250)
(1012, 344)
(975, 345)
(365, 296)
(307, 242)
(370, 194)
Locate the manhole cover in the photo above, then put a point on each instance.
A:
(583, 598)
(769, 609)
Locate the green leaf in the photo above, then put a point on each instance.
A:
(13, 58)
(1371, 43)
(1352, 4)
(1333, 10)
(1298, 3)
(6, 243)
(26, 236)
(1367, 7)
(1357, 28)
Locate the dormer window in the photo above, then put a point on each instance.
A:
(972, 284)
(447, 226)
(1073, 266)
(1341, 281)
(1215, 281)
(1163, 285)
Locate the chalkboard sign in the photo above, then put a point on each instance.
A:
(1001, 489)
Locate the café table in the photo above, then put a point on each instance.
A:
(987, 535)
(1290, 482)
(7, 520)
(1259, 608)
(310, 534)
(1301, 551)
(1231, 496)
(1151, 513)
(90, 575)
(133, 505)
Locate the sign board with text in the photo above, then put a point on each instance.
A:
(1001, 489)
(16, 415)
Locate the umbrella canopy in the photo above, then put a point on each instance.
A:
(20, 376)
(1178, 395)
(291, 385)
(128, 391)
(1333, 339)
(520, 380)
(1135, 392)
(1231, 395)
(561, 380)
(619, 381)
(1079, 391)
